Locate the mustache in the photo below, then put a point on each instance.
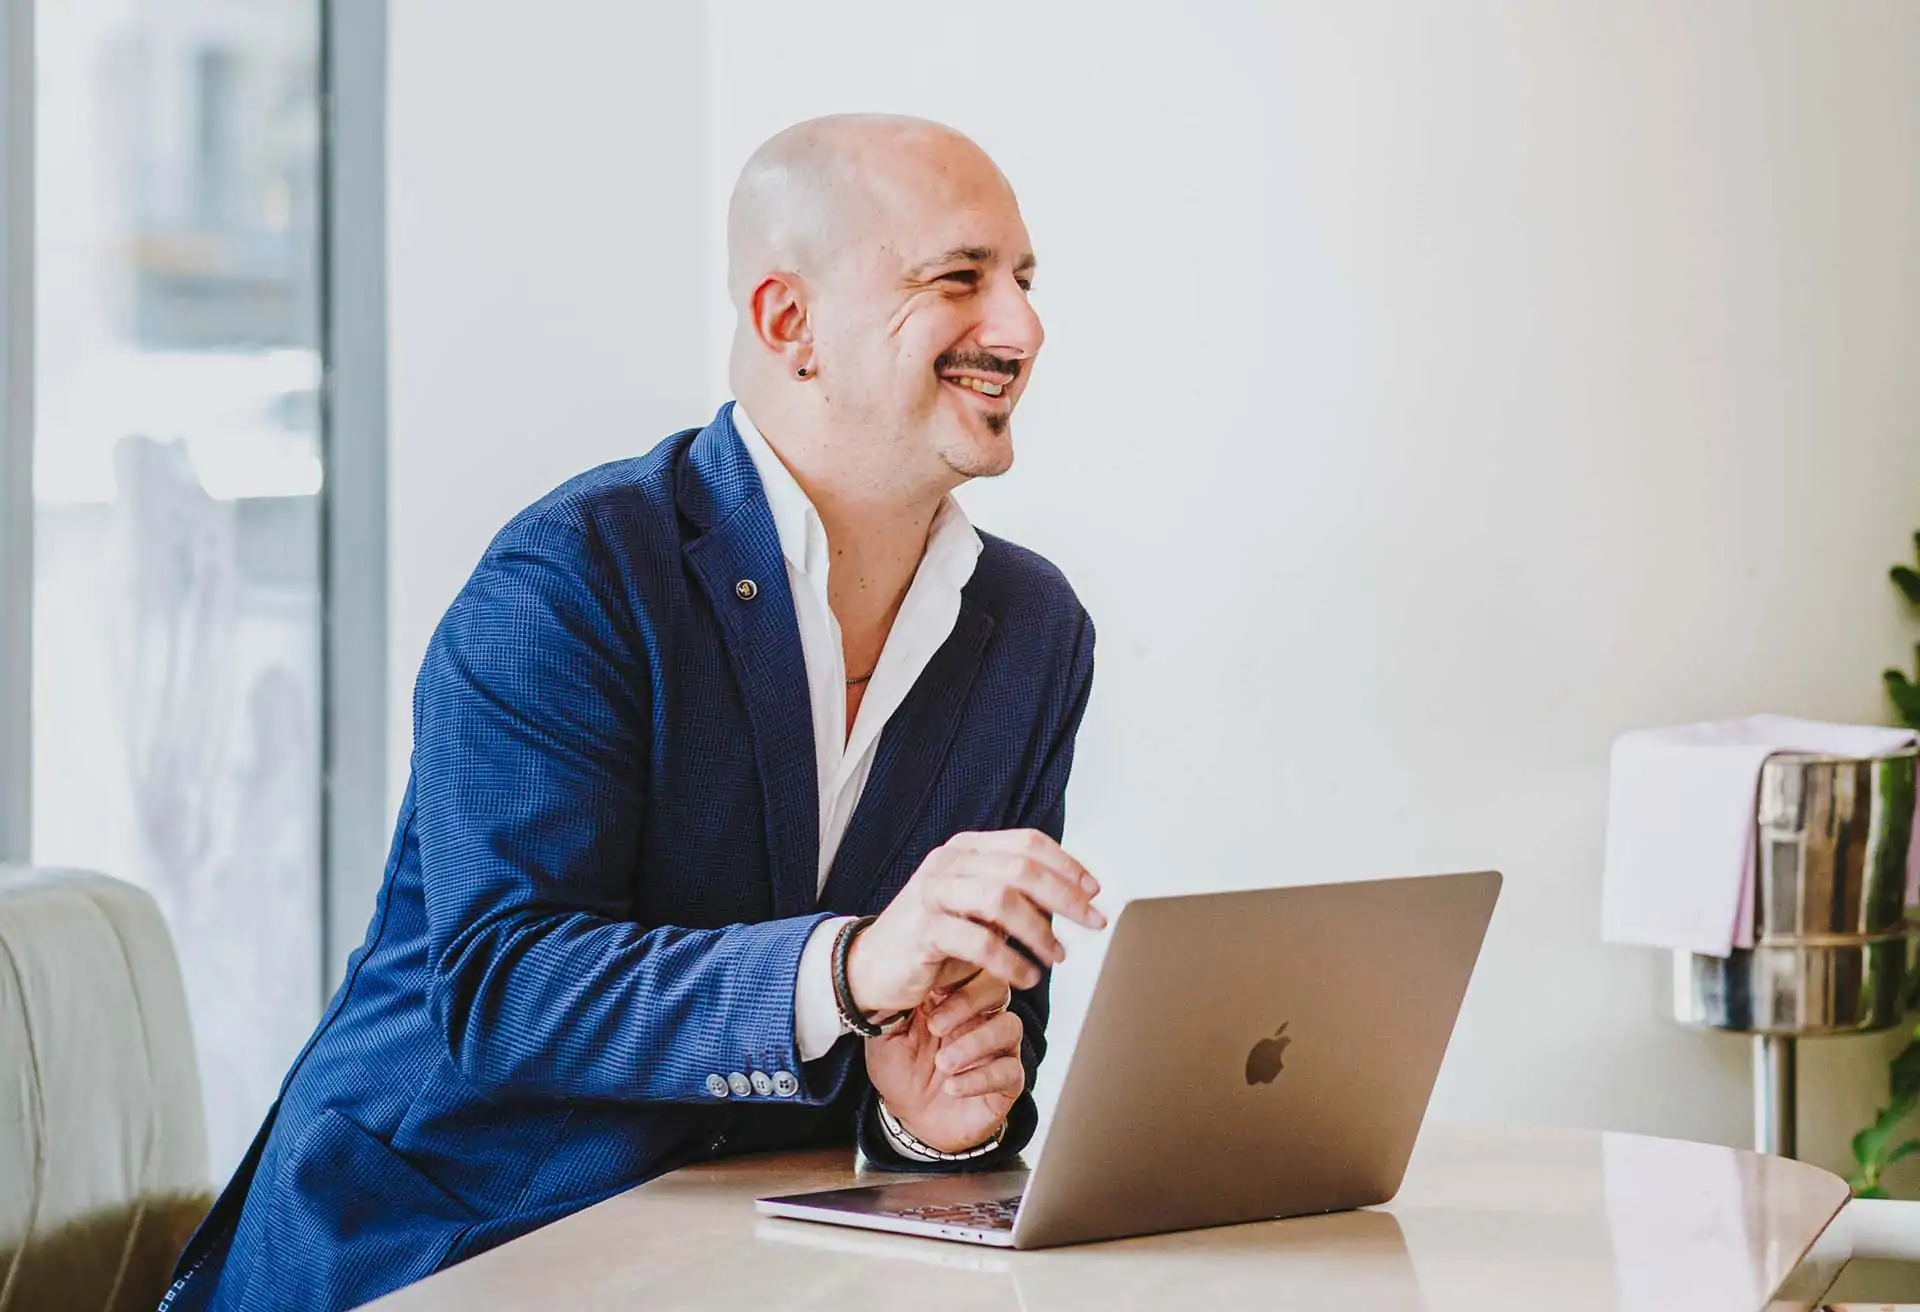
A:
(983, 361)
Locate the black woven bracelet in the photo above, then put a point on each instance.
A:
(850, 1014)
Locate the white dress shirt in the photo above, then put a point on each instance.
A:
(842, 760)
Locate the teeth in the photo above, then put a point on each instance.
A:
(980, 385)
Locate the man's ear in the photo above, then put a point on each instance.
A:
(779, 314)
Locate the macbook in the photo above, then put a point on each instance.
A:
(1246, 1055)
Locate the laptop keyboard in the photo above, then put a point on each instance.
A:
(993, 1214)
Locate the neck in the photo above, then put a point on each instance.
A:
(876, 521)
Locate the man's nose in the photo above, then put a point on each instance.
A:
(1012, 327)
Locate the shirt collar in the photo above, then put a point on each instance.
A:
(953, 544)
(791, 507)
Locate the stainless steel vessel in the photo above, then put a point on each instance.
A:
(1830, 925)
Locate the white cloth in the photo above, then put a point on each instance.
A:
(1680, 819)
(842, 761)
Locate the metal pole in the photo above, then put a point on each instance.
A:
(1776, 1094)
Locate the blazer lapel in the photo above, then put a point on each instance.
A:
(719, 488)
(908, 756)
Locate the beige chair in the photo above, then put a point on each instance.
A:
(103, 1144)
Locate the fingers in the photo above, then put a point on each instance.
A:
(1040, 882)
(953, 976)
(1003, 1075)
(1005, 908)
(980, 902)
(995, 1036)
(1036, 846)
(982, 996)
(970, 941)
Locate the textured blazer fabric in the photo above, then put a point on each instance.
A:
(579, 972)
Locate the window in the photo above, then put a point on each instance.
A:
(217, 127)
(176, 699)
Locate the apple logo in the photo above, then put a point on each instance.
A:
(1267, 1057)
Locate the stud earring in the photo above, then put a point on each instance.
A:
(801, 372)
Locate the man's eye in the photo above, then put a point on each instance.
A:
(1026, 284)
(967, 276)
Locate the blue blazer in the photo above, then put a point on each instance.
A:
(603, 871)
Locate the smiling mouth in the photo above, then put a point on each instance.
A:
(978, 386)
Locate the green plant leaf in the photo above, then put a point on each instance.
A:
(1870, 1145)
(1871, 1142)
(1903, 1074)
(1907, 579)
(1906, 696)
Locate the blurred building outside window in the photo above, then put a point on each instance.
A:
(177, 459)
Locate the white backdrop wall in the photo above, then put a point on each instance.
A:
(1430, 394)
(546, 219)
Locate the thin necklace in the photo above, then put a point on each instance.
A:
(863, 678)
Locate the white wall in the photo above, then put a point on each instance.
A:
(1430, 394)
(545, 279)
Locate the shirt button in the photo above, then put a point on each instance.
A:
(762, 1083)
(784, 1084)
(740, 1084)
(716, 1086)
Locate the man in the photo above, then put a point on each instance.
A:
(693, 719)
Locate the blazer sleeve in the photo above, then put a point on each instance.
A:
(1044, 808)
(532, 733)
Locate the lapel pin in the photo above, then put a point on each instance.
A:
(746, 590)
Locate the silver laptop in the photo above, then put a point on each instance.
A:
(1245, 1056)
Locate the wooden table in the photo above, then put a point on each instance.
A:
(1488, 1219)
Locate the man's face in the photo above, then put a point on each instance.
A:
(928, 333)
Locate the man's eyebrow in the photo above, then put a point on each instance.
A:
(971, 255)
(959, 254)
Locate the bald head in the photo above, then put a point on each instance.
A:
(879, 268)
(826, 187)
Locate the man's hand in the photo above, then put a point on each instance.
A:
(970, 900)
(953, 1073)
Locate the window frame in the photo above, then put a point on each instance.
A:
(353, 501)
